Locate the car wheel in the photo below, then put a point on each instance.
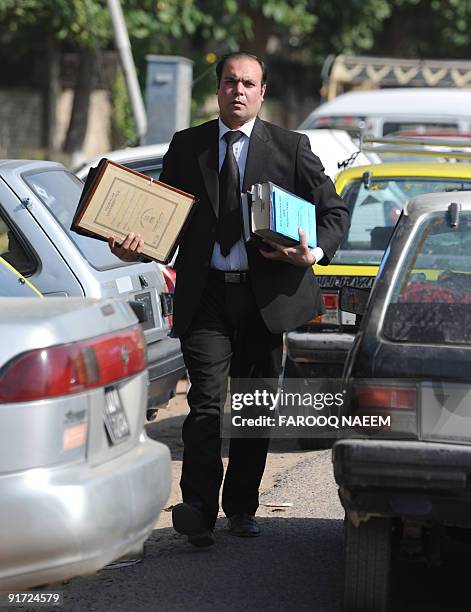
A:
(367, 565)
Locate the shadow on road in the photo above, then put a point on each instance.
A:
(297, 564)
(418, 588)
(294, 565)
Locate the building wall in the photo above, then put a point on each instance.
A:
(21, 118)
(98, 136)
(20, 122)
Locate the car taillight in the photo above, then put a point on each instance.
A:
(331, 305)
(395, 397)
(331, 300)
(73, 368)
(170, 277)
(396, 402)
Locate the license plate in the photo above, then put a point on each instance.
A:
(116, 422)
(146, 300)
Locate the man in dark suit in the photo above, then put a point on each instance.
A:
(233, 301)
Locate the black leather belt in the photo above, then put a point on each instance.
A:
(229, 277)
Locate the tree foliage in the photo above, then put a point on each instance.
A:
(303, 30)
(295, 36)
(65, 20)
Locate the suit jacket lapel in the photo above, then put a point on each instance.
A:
(208, 159)
(257, 155)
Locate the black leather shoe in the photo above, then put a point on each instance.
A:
(243, 526)
(189, 521)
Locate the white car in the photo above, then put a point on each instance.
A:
(388, 111)
(146, 159)
(38, 203)
(81, 484)
(334, 147)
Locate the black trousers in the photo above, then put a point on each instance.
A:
(227, 337)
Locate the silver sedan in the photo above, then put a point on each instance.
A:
(80, 482)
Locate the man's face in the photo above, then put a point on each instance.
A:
(240, 93)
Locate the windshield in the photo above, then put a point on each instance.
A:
(151, 167)
(375, 206)
(60, 191)
(431, 300)
(350, 124)
(394, 127)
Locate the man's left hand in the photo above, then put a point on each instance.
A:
(299, 255)
(130, 249)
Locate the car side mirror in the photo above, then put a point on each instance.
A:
(354, 299)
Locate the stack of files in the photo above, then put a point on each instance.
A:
(270, 212)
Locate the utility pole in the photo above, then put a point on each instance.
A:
(125, 55)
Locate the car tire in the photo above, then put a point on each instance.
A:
(367, 565)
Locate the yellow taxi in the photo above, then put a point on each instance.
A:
(375, 195)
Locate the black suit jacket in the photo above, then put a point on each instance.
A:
(287, 295)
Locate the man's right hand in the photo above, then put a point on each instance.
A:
(129, 249)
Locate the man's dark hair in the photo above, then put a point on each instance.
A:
(228, 56)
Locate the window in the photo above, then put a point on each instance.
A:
(375, 206)
(416, 127)
(151, 167)
(431, 302)
(13, 248)
(60, 192)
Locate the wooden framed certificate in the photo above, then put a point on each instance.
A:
(117, 200)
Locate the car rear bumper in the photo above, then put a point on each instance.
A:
(321, 347)
(421, 480)
(72, 520)
(166, 367)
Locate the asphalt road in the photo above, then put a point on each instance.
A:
(296, 564)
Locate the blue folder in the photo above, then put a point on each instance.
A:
(289, 212)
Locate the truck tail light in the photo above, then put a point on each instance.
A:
(331, 301)
(74, 367)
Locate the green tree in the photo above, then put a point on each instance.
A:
(295, 36)
(39, 29)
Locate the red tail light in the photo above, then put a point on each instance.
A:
(170, 277)
(73, 368)
(367, 397)
(331, 300)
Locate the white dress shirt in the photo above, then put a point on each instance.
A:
(237, 257)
